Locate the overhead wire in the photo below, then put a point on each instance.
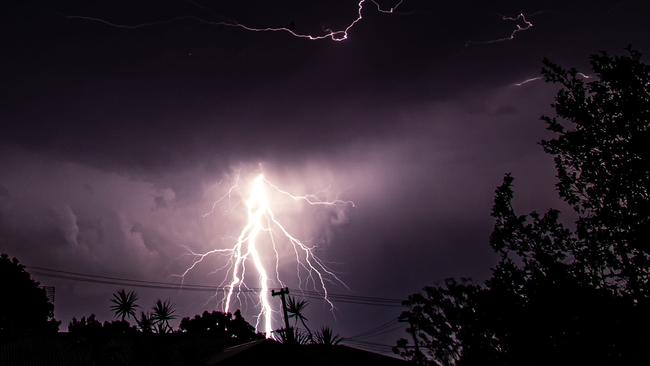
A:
(358, 340)
(386, 327)
(123, 281)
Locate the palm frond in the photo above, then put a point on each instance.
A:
(296, 308)
(327, 337)
(124, 304)
(162, 313)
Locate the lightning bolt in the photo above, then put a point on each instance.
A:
(262, 223)
(530, 80)
(334, 35)
(521, 24)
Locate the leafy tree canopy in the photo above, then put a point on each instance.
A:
(232, 330)
(559, 295)
(90, 327)
(25, 307)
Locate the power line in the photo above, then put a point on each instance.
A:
(351, 301)
(391, 330)
(386, 327)
(376, 345)
(122, 281)
(370, 344)
(129, 284)
(39, 269)
(355, 340)
(370, 298)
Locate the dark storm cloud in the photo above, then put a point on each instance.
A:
(112, 140)
(4, 192)
(138, 224)
(137, 99)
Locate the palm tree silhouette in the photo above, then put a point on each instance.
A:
(327, 337)
(162, 313)
(296, 308)
(145, 322)
(124, 304)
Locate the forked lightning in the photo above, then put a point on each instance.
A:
(257, 240)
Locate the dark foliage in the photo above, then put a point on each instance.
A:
(327, 337)
(603, 164)
(558, 295)
(296, 310)
(145, 322)
(296, 337)
(24, 308)
(124, 304)
(85, 326)
(161, 314)
(90, 327)
(119, 343)
(224, 327)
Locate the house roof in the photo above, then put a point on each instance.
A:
(270, 353)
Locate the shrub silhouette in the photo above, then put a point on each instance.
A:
(222, 326)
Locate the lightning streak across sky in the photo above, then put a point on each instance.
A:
(530, 80)
(335, 35)
(260, 237)
(521, 24)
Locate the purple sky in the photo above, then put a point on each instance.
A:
(113, 140)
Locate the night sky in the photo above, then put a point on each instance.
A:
(115, 141)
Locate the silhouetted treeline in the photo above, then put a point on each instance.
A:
(24, 306)
(29, 333)
(152, 340)
(561, 295)
(230, 330)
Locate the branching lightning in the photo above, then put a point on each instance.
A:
(262, 223)
(530, 80)
(334, 35)
(521, 24)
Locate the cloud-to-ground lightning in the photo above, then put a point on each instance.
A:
(522, 23)
(259, 238)
(530, 80)
(334, 35)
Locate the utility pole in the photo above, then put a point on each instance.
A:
(288, 331)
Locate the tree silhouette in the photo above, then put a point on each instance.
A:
(326, 336)
(162, 313)
(86, 327)
(296, 309)
(90, 328)
(600, 150)
(124, 304)
(145, 322)
(241, 330)
(25, 307)
(227, 329)
(208, 323)
(437, 317)
(560, 295)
